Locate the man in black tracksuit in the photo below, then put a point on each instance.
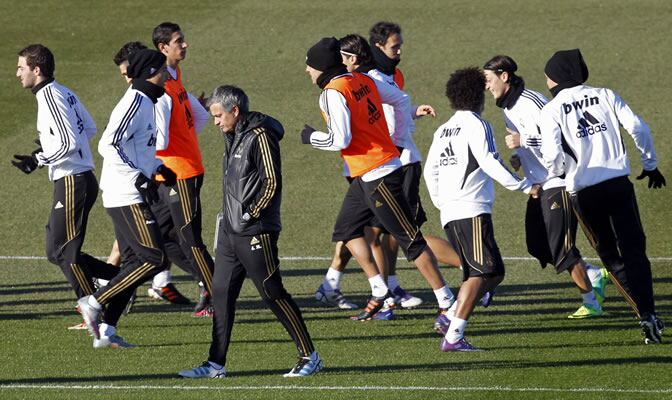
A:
(248, 234)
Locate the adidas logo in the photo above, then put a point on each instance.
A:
(254, 240)
(555, 206)
(374, 112)
(172, 192)
(378, 204)
(144, 185)
(589, 125)
(150, 127)
(58, 205)
(448, 155)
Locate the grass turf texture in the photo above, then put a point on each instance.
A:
(261, 46)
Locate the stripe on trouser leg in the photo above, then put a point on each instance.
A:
(625, 294)
(568, 232)
(141, 226)
(69, 207)
(125, 283)
(411, 229)
(293, 319)
(81, 278)
(203, 267)
(185, 202)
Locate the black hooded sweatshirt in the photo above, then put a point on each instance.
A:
(252, 176)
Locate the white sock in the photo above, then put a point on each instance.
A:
(444, 296)
(590, 299)
(392, 282)
(378, 286)
(107, 330)
(594, 273)
(451, 311)
(162, 279)
(215, 365)
(332, 280)
(456, 330)
(94, 303)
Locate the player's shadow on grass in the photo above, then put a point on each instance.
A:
(27, 289)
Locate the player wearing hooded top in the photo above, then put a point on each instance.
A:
(248, 234)
(550, 223)
(352, 107)
(582, 141)
(461, 165)
(128, 147)
(65, 128)
(186, 117)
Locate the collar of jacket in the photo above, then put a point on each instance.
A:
(511, 96)
(561, 86)
(151, 90)
(42, 84)
(384, 63)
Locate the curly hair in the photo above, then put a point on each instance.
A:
(466, 89)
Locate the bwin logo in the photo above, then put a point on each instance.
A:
(581, 104)
(448, 156)
(589, 125)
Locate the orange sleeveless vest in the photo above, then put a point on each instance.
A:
(183, 154)
(370, 146)
(399, 78)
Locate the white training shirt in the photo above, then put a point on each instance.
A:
(582, 138)
(335, 109)
(128, 147)
(523, 118)
(65, 128)
(460, 167)
(399, 120)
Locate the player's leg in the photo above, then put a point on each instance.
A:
(560, 226)
(259, 255)
(329, 291)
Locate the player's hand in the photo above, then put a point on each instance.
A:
(535, 192)
(512, 139)
(425, 109)
(656, 179)
(515, 162)
(204, 101)
(26, 163)
(148, 188)
(169, 176)
(305, 134)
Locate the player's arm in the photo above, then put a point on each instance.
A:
(337, 114)
(89, 123)
(118, 132)
(63, 123)
(484, 149)
(162, 110)
(637, 128)
(431, 171)
(265, 154)
(201, 115)
(551, 144)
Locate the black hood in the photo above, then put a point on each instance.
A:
(254, 120)
(567, 69)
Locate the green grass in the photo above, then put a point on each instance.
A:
(260, 46)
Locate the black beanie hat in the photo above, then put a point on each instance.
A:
(325, 54)
(144, 63)
(567, 67)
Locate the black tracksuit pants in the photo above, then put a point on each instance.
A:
(139, 240)
(74, 196)
(183, 202)
(257, 257)
(609, 214)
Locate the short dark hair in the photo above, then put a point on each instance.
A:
(229, 96)
(502, 63)
(163, 32)
(357, 45)
(383, 30)
(126, 50)
(37, 55)
(466, 89)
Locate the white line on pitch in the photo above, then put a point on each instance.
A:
(336, 388)
(318, 258)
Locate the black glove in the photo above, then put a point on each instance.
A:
(147, 188)
(656, 179)
(305, 134)
(169, 176)
(37, 142)
(27, 164)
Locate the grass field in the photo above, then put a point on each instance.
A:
(533, 350)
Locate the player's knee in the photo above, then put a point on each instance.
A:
(273, 290)
(155, 257)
